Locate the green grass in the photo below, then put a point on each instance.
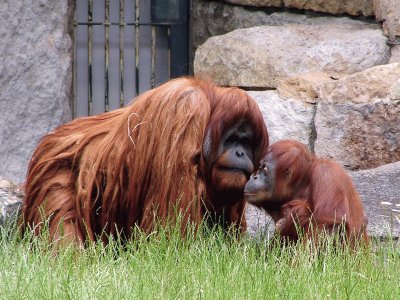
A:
(212, 265)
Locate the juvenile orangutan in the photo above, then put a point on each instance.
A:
(304, 193)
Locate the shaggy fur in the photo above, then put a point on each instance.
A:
(134, 165)
(308, 193)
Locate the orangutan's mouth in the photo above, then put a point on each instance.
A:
(233, 170)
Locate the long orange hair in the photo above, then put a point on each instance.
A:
(136, 164)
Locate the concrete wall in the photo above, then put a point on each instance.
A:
(35, 77)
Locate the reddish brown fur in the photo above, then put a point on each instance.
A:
(313, 194)
(138, 164)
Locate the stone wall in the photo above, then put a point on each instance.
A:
(35, 77)
(326, 73)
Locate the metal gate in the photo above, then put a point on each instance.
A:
(125, 47)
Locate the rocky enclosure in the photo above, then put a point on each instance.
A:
(326, 73)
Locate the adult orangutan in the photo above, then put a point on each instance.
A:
(304, 193)
(185, 147)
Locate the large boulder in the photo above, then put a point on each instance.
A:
(35, 77)
(261, 56)
(358, 118)
(286, 118)
(226, 18)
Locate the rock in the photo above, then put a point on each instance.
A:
(380, 192)
(261, 56)
(358, 136)
(395, 54)
(35, 78)
(259, 223)
(304, 86)
(226, 18)
(11, 197)
(368, 86)
(388, 11)
(285, 118)
(351, 7)
(358, 118)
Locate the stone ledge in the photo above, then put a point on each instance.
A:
(355, 7)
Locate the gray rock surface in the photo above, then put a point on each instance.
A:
(395, 54)
(259, 223)
(35, 77)
(10, 201)
(285, 118)
(261, 56)
(379, 189)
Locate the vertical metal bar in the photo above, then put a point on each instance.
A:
(169, 51)
(179, 43)
(121, 52)
(107, 55)
(90, 41)
(137, 37)
(74, 71)
(153, 56)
